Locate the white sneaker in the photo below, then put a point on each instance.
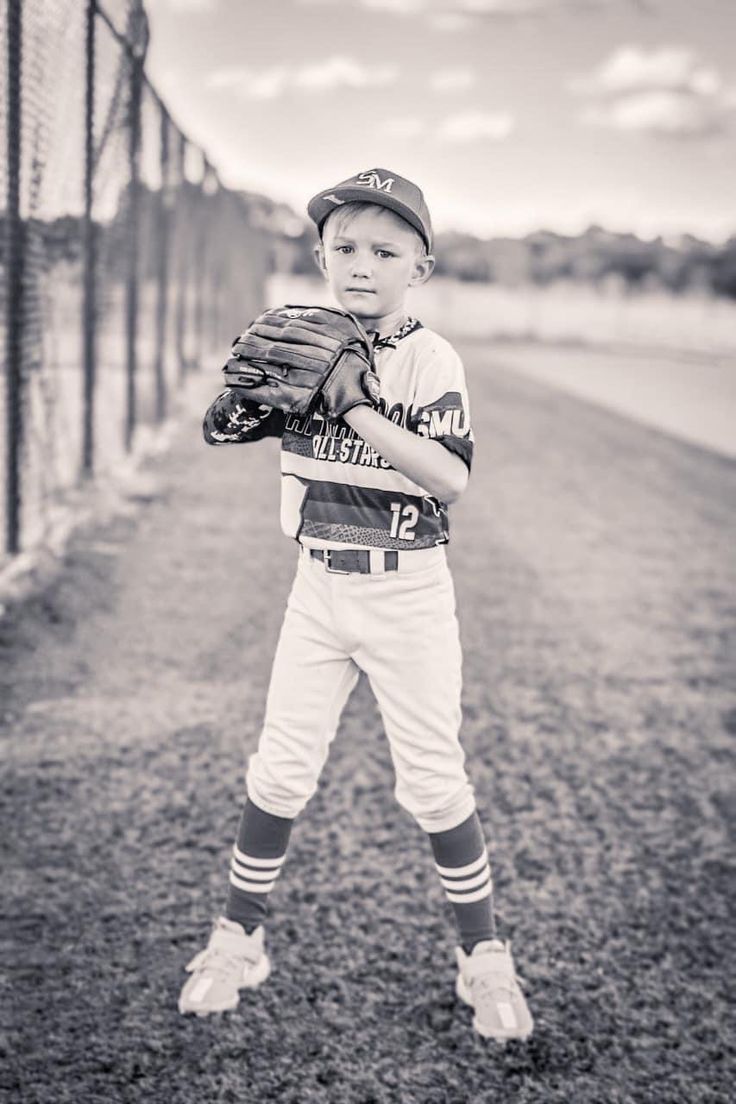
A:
(487, 981)
(231, 961)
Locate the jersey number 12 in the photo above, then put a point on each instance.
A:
(403, 521)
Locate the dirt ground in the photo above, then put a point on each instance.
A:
(594, 569)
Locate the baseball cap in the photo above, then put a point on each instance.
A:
(380, 186)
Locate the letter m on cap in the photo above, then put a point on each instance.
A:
(372, 180)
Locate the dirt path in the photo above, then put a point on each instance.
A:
(593, 568)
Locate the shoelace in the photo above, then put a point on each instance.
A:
(493, 982)
(220, 962)
(492, 985)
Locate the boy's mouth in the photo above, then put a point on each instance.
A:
(363, 291)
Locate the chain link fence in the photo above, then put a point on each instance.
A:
(123, 259)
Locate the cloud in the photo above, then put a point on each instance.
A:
(521, 8)
(338, 71)
(396, 7)
(667, 91)
(449, 21)
(315, 77)
(460, 127)
(633, 69)
(452, 80)
(467, 9)
(468, 126)
(251, 84)
(456, 15)
(507, 7)
(185, 6)
(673, 114)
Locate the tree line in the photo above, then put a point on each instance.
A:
(598, 257)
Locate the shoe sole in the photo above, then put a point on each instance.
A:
(464, 994)
(255, 977)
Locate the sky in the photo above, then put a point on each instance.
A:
(512, 115)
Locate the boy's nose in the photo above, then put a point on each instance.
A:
(361, 266)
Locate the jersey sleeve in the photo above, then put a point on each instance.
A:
(231, 419)
(440, 410)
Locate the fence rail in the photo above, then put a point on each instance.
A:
(123, 258)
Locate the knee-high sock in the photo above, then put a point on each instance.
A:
(255, 865)
(461, 859)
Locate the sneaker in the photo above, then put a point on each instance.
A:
(487, 981)
(231, 961)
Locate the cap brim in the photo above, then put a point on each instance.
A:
(320, 207)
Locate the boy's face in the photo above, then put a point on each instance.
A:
(370, 260)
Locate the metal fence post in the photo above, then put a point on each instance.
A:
(216, 240)
(183, 230)
(14, 292)
(133, 275)
(200, 266)
(89, 248)
(162, 293)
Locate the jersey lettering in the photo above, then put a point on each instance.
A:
(444, 418)
(395, 414)
(443, 423)
(403, 521)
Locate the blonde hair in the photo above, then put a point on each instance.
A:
(344, 214)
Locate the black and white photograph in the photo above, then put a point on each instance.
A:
(368, 554)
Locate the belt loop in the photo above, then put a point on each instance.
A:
(377, 561)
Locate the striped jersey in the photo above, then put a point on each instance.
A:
(336, 490)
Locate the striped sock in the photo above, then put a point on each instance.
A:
(256, 863)
(462, 863)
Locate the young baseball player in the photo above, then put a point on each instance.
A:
(366, 497)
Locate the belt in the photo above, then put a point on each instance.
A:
(346, 561)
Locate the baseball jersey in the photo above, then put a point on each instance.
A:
(336, 490)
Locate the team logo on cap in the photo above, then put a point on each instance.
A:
(372, 180)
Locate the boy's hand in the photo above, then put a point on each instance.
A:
(294, 358)
(353, 383)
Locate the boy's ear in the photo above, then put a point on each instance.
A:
(319, 258)
(423, 268)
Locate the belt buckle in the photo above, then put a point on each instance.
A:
(328, 564)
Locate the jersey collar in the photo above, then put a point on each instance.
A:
(390, 342)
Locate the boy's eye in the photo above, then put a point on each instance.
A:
(383, 253)
(344, 248)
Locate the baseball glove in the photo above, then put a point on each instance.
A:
(300, 359)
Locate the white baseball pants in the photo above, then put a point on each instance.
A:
(400, 628)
